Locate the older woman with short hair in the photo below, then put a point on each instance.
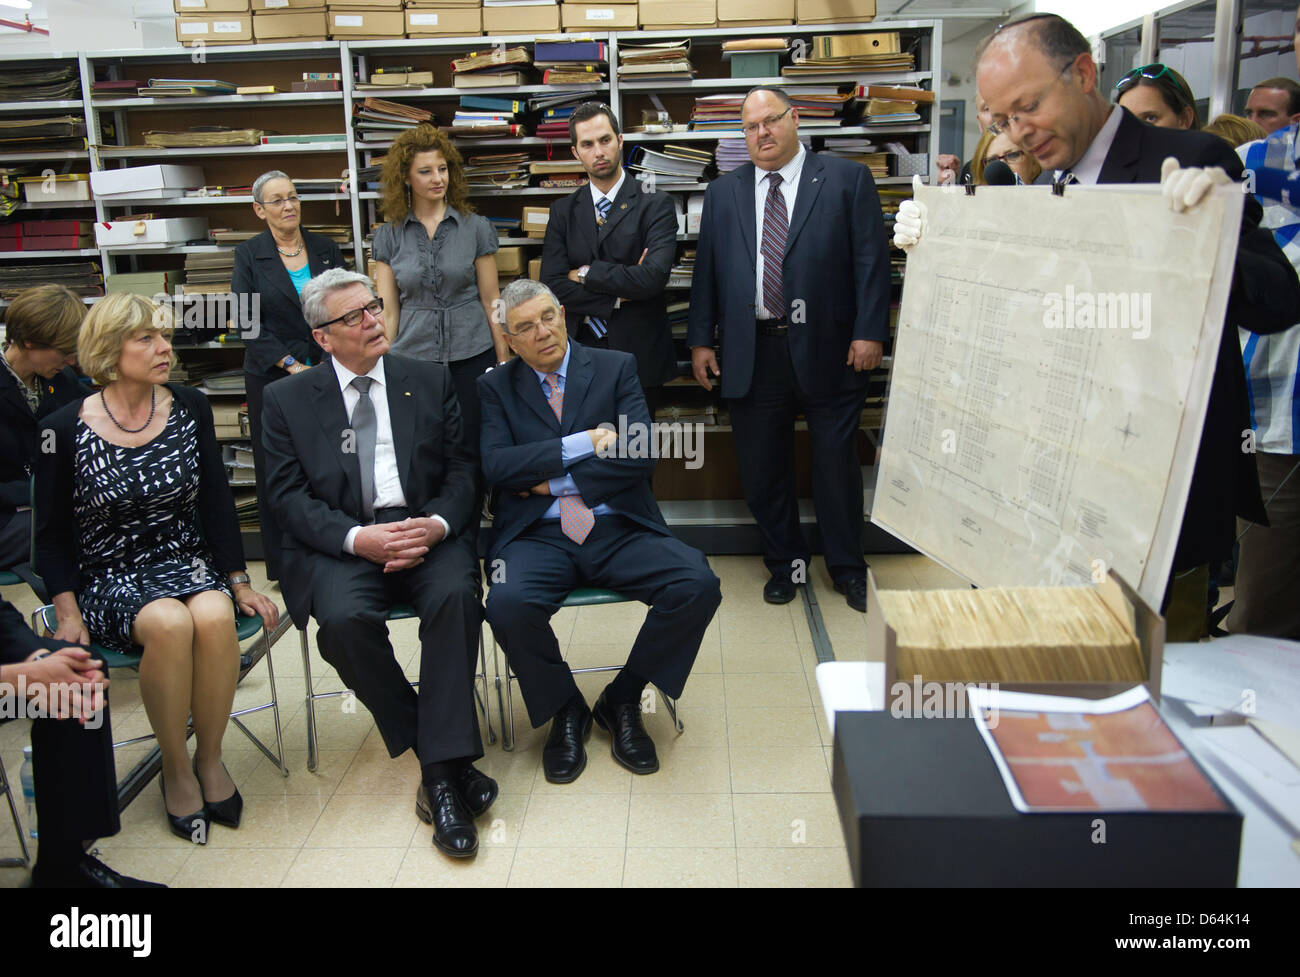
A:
(270, 272)
(139, 544)
(41, 327)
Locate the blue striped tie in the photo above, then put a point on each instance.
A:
(775, 226)
(599, 326)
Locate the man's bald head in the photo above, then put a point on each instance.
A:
(1040, 82)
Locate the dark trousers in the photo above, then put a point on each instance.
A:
(537, 571)
(75, 781)
(16, 539)
(1267, 591)
(254, 384)
(763, 427)
(464, 377)
(350, 602)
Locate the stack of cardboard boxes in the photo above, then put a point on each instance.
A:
(283, 21)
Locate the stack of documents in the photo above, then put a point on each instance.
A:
(489, 69)
(208, 274)
(499, 171)
(186, 88)
(39, 84)
(664, 61)
(672, 167)
(42, 134)
(83, 277)
(204, 136)
(377, 121)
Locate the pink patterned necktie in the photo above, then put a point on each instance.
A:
(576, 519)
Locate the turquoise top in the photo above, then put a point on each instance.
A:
(300, 277)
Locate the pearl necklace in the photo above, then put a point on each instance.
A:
(292, 254)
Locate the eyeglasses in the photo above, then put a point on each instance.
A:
(354, 318)
(279, 202)
(1010, 157)
(1000, 126)
(1152, 72)
(768, 123)
(549, 319)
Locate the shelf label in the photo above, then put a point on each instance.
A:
(347, 20)
(227, 26)
(424, 20)
(194, 3)
(600, 13)
(194, 28)
(276, 4)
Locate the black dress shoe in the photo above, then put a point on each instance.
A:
(564, 757)
(192, 827)
(227, 812)
(477, 789)
(854, 590)
(778, 590)
(438, 803)
(88, 873)
(631, 745)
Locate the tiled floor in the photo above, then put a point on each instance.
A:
(742, 796)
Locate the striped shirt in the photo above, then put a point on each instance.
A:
(1273, 362)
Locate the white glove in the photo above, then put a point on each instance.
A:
(909, 221)
(1185, 186)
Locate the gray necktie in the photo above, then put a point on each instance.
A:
(363, 425)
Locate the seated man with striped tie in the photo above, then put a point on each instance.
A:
(374, 489)
(576, 511)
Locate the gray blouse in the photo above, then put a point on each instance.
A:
(442, 317)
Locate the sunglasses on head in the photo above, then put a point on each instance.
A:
(1151, 72)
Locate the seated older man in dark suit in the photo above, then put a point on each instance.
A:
(375, 491)
(575, 511)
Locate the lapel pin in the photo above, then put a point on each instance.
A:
(406, 393)
(814, 179)
(622, 207)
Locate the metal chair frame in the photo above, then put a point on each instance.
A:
(44, 621)
(18, 824)
(581, 597)
(398, 612)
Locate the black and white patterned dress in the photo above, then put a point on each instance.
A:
(140, 540)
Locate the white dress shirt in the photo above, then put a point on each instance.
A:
(388, 484)
(789, 189)
(1088, 169)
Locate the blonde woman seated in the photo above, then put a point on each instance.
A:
(139, 544)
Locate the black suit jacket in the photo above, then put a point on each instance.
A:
(17, 640)
(836, 265)
(637, 222)
(315, 486)
(1265, 298)
(18, 432)
(280, 327)
(57, 540)
(521, 439)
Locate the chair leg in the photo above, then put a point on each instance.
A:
(275, 708)
(505, 705)
(18, 824)
(671, 706)
(483, 703)
(311, 702)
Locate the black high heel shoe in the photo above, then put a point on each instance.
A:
(227, 812)
(191, 827)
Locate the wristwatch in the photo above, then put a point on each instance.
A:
(288, 361)
(238, 578)
(582, 274)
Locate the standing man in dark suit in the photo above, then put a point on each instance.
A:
(799, 306)
(271, 271)
(575, 511)
(375, 490)
(1042, 88)
(608, 251)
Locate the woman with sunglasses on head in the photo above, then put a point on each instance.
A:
(1159, 96)
(434, 267)
(273, 268)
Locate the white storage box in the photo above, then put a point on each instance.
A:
(168, 230)
(44, 190)
(158, 180)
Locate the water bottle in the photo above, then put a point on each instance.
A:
(29, 789)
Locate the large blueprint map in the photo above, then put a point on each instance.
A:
(1050, 377)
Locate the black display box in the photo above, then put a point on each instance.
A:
(922, 804)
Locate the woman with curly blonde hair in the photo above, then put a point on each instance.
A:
(434, 267)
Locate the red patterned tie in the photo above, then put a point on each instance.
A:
(775, 226)
(576, 519)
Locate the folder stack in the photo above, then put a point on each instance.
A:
(664, 61)
(491, 69)
(378, 121)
